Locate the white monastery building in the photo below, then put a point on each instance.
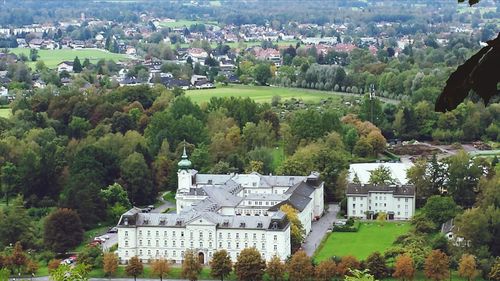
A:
(366, 200)
(215, 212)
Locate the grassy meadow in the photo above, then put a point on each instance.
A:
(52, 58)
(5, 112)
(261, 94)
(371, 237)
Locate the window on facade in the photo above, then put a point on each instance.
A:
(406, 207)
(399, 206)
(210, 235)
(246, 235)
(182, 243)
(275, 247)
(126, 253)
(275, 237)
(263, 236)
(140, 232)
(166, 253)
(229, 245)
(255, 245)
(210, 245)
(246, 245)
(149, 233)
(157, 243)
(229, 236)
(173, 243)
(191, 235)
(406, 213)
(254, 236)
(353, 212)
(385, 205)
(149, 252)
(353, 198)
(376, 204)
(149, 242)
(354, 205)
(406, 199)
(201, 244)
(237, 236)
(174, 253)
(126, 243)
(191, 244)
(140, 252)
(263, 246)
(361, 206)
(399, 213)
(220, 235)
(220, 244)
(237, 245)
(157, 252)
(140, 242)
(165, 243)
(157, 233)
(201, 235)
(126, 233)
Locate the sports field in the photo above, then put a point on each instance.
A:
(371, 237)
(5, 112)
(52, 58)
(260, 93)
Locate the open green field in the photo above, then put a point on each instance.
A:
(52, 58)
(260, 94)
(185, 23)
(371, 237)
(5, 112)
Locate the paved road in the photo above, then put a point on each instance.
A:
(319, 229)
(113, 237)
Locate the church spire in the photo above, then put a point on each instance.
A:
(184, 164)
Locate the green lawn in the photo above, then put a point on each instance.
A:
(89, 235)
(53, 57)
(259, 93)
(371, 237)
(5, 112)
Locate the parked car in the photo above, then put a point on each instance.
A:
(113, 230)
(105, 236)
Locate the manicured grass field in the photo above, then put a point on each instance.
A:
(260, 94)
(52, 58)
(371, 237)
(5, 112)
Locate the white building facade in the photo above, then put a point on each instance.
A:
(366, 201)
(215, 212)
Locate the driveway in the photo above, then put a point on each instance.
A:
(319, 229)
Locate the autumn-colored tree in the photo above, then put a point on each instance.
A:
(436, 266)
(467, 267)
(296, 227)
(18, 259)
(160, 268)
(134, 267)
(191, 266)
(377, 265)
(404, 269)
(250, 266)
(221, 264)
(347, 263)
(300, 267)
(53, 264)
(110, 264)
(495, 270)
(275, 269)
(381, 218)
(32, 267)
(325, 270)
(377, 141)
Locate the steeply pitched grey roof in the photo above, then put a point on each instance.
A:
(397, 190)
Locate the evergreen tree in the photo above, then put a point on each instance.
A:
(377, 266)
(77, 66)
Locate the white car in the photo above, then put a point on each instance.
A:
(105, 236)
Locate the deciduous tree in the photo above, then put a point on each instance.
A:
(296, 228)
(63, 230)
(134, 267)
(191, 266)
(160, 267)
(221, 264)
(250, 266)
(347, 263)
(377, 265)
(467, 267)
(436, 266)
(110, 264)
(325, 270)
(275, 269)
(18, 259)
(300, 267)
(404, 268)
